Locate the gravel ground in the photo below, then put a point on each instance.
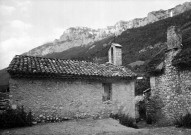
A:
(92, 127)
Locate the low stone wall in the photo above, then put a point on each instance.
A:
(70, 99)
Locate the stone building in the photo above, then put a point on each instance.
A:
(170, 75)
(69, 88)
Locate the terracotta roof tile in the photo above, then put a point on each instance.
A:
(30, 65)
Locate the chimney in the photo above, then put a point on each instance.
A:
(115, 54)
(174, 38)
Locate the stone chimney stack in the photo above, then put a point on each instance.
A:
(174, 38)
(115, 54)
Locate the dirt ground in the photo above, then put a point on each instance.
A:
(92, 127)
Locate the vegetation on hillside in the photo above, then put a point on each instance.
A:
(93, 52)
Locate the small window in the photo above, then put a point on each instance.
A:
(107, 91)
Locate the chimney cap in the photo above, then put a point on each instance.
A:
(116, 45)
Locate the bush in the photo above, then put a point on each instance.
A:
(11, 118)
(124, 120)
(183, 121)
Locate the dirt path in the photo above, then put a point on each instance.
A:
(92, 127)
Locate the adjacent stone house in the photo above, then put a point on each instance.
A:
(70, 88)
(170, 75)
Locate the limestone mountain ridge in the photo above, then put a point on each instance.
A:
(83, 36)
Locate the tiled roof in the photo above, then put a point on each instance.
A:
(39, 66)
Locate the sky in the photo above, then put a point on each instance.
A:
(26, 24)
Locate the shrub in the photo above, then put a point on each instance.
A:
(15, 118)
(183, 121)
(124, 120)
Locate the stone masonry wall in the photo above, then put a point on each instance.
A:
(68, 98)
(173, 88)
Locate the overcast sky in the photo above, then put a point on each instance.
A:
(26, 24)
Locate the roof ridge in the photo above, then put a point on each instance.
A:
(54, 58)
(38, 57)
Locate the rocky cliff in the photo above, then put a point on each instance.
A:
(79, 36)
